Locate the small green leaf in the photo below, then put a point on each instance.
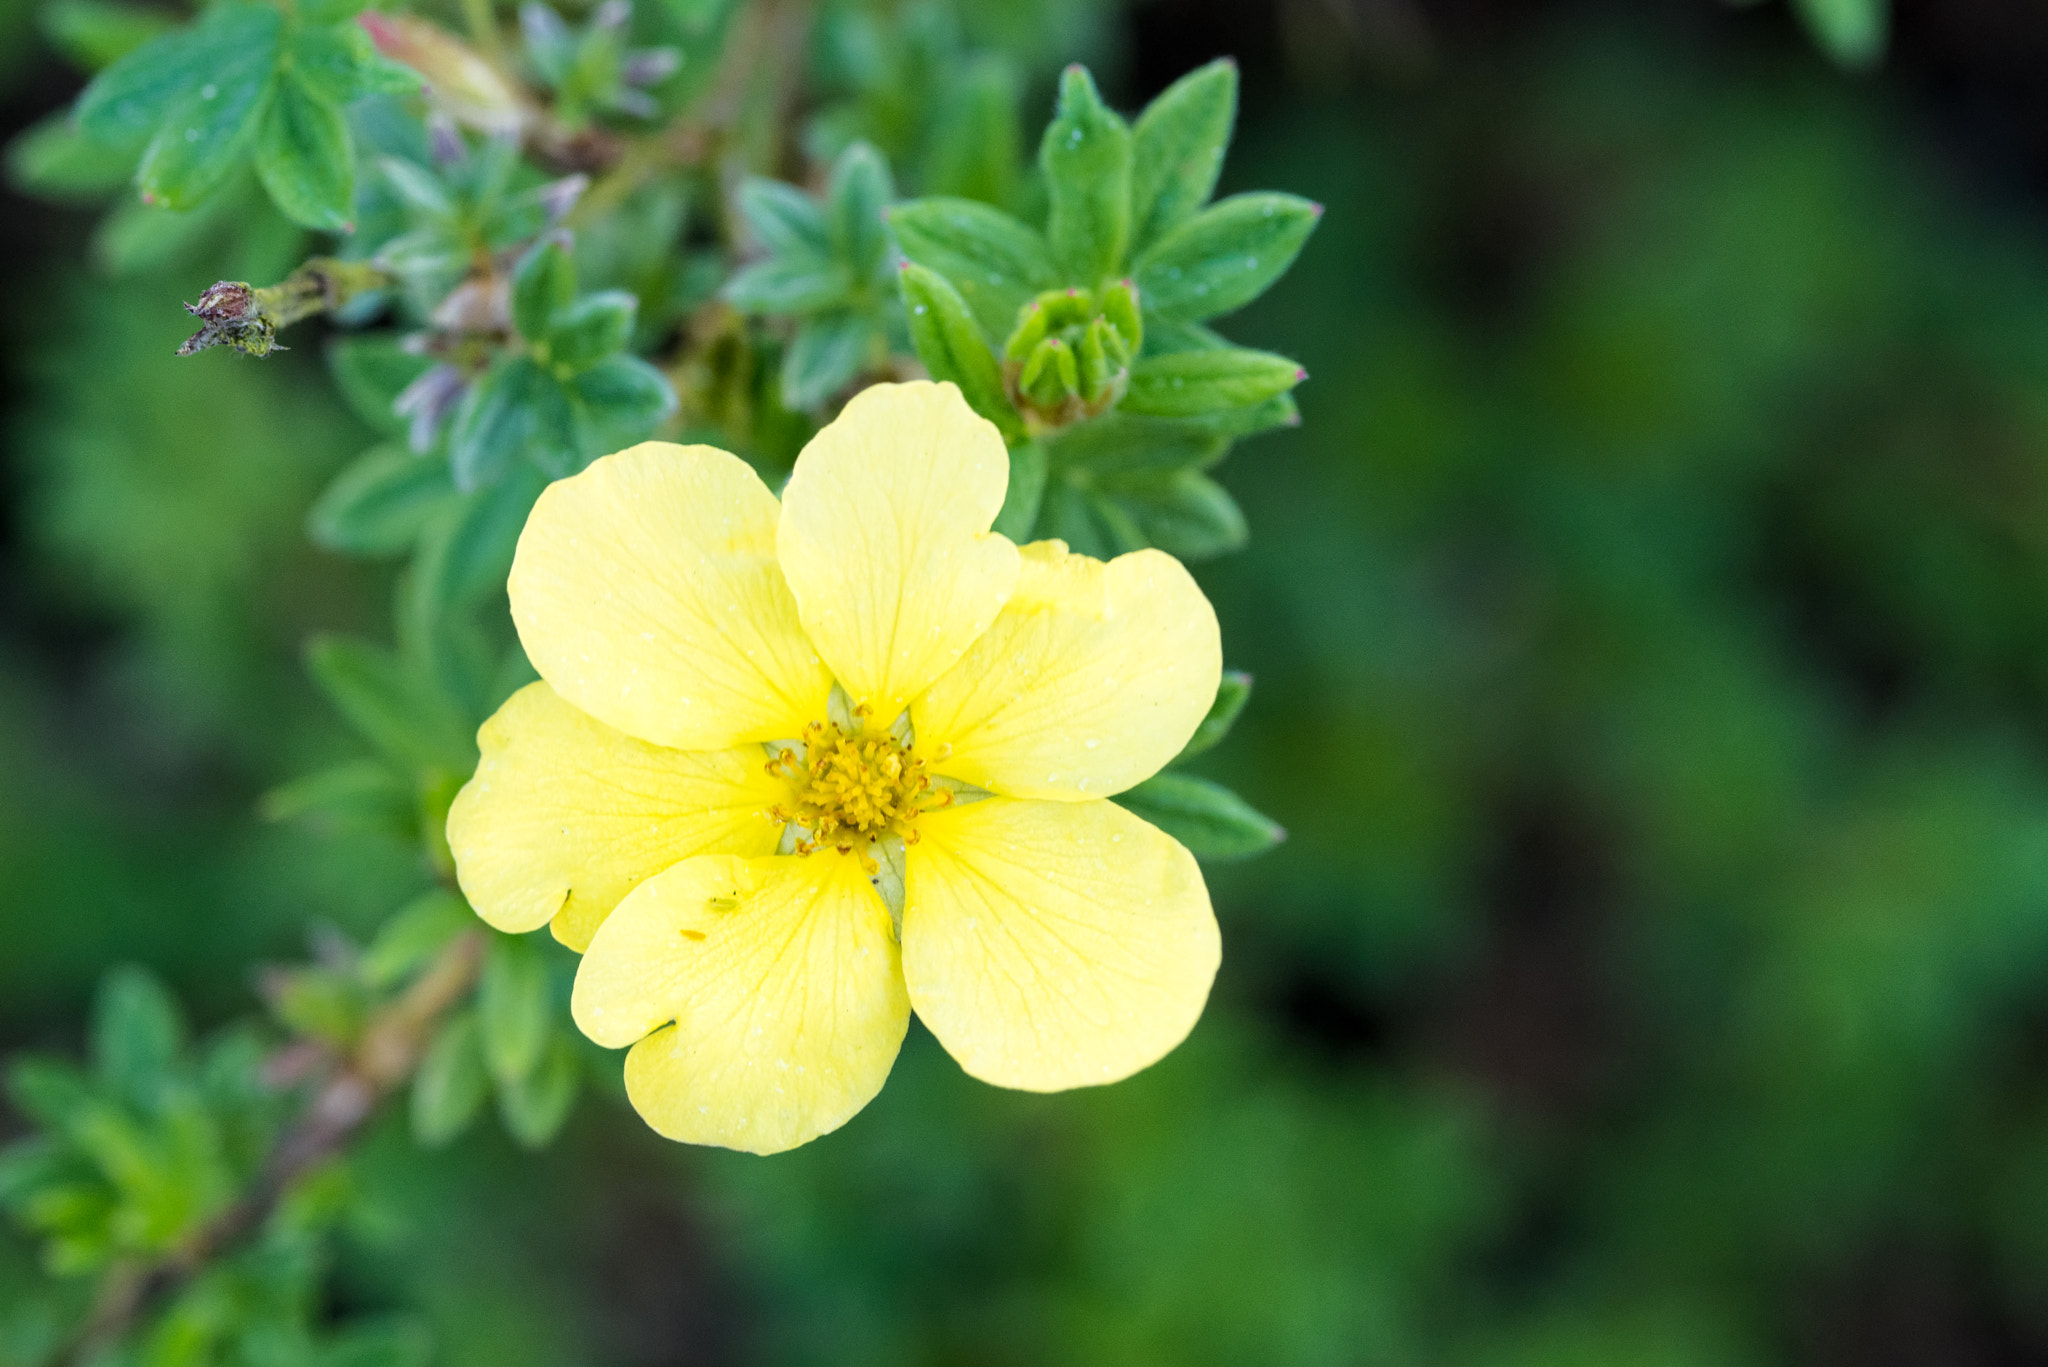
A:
(1224, 257)
(543, 284)
(790, 284)
(418, 187)
(380, 502)
(360, 795)
(623, 399)
(307, 159)
(340, 64)
(1232, 693)
(1852, 31)
(1086, 157)
(997, 264)
(1090, 522)
(784, 219)
(1187, 514)
(1121, 443)
(97, 33)
(1208, 818)
(826, 354)
(371, 372)
(592, 328)
(858, 198)
(953, 347)
(1025, 492)
(137, 1034)
(513, 1001)
(322, 1003)
(411, 723)
(1177, 149)
(132, 98)
(512, 411)
(414, 935)
(976, 137)
(534, 1107)
(450, 1084)
(212, 127)
(1189, 383)
(53, 160)
(49, 1091)
(467, 549)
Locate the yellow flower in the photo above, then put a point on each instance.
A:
(797, 768)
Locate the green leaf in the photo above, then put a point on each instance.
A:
(1208, 818)
(48, 1091)
(827, 353)
(1232, 693)
(53, 160)
(997, 264)
(953, 346)
(592, 328)
(389, 1341)
(450, 1084)
(858, 200)
(1187, 514)
(790, 284)
(1120, 443)
(1852, 31)
(543, 284)
(467, 549)
(340, 64)
(1177, 149)
(623, 399)
(1025, 492)
(513, 1001)
(784, 219)
(513, 410)
(130, 99)
(418, 187)
(389, 707)
(534, 1108)
(1090, 522)
(1224, 257)
(976, 136)
(414, 935)
(137, 1034)
(380, 502)
(363, 794)
(96, 33)
(1086, 157)
(1189, 383)
(371, 372)
(322, 1003)
(212, 127)
(307, 159)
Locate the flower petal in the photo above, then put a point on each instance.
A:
(1092, 677)
(885, 539)
(1054, 944)
(784, 983)
(647, 592)
(565, 815)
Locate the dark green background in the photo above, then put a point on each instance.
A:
(1651, 628)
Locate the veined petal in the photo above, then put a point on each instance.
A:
(1092, 677)
(1054, 944)
(885, 539)
(565, 815)
(646, 590)
(785, 990)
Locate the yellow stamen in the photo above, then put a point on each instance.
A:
(851, 790)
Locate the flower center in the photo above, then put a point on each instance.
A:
(850, 790)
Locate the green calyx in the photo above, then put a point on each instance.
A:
(1069, 357)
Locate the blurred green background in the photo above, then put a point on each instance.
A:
(1651, 628)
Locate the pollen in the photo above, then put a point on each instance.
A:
(848, 791)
